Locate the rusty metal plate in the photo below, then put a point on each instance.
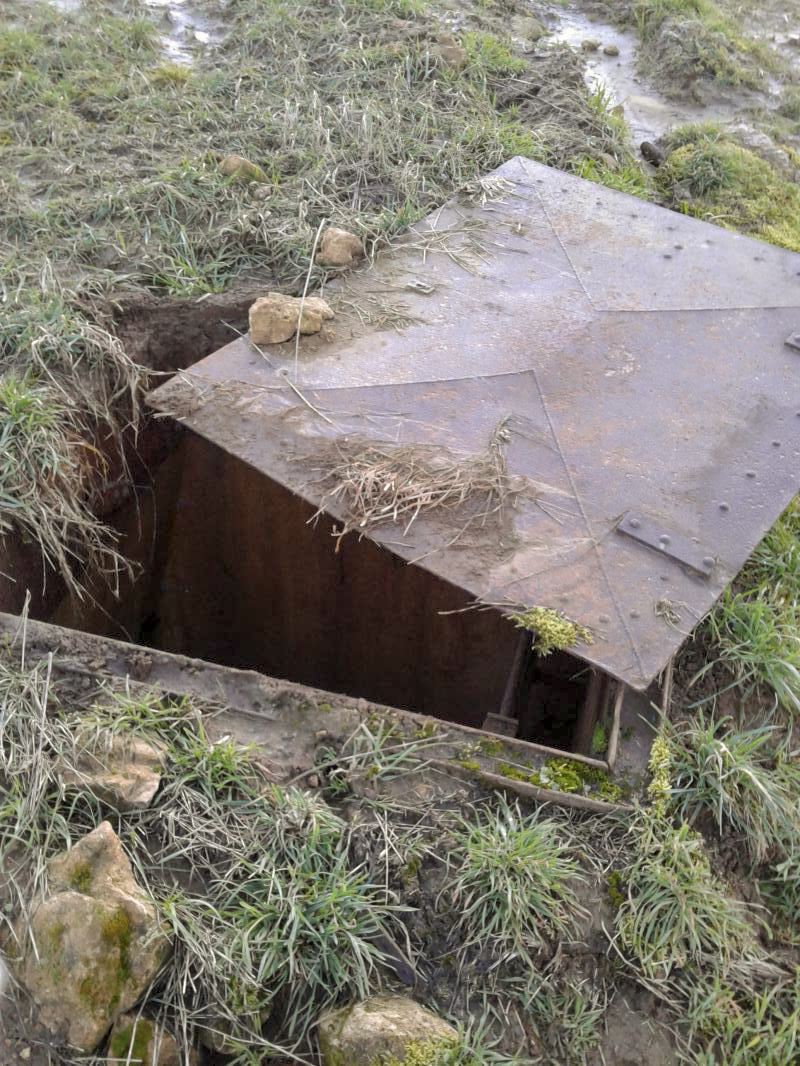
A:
(637, 359)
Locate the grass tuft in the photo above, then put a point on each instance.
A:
(514, 887)
(708, 175)
(675, 913)
(734, 775)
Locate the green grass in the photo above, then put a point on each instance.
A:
(708, 175)
(755, 628)
(741, 780)
(745, 1026)
(513, 887)
(675, 914)
(490, 55)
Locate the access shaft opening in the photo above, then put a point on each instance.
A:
(232, 571)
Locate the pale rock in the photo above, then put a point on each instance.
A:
(274, 317)
(236, 166)
(590, 45)
(122, 770)
(610, 50)
(379, 1029)
(339, 248)
(98, 938)
(450, 51)
(141, 1042)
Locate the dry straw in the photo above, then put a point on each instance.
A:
(373, 483)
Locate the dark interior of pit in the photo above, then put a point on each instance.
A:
(230, 570)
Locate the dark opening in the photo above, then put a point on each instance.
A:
(231, 571)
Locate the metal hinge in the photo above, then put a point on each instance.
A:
(679, 548)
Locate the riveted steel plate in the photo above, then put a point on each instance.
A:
(635, 357)
(679, 549)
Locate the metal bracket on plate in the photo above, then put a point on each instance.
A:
(681, 549)
(793, 341)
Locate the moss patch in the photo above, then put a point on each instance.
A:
(567, 775)
(425, 1053)
(551, 630)
(659, 764)
(130, 1046)
(708, 175)
(81, 877)
(116, 934)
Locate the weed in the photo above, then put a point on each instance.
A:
(708, 175)
(286, 922)
(45, 469)
(745, 1026)
(780, 889)
(492, 55)
(733, 775)
(569, 1016)
(760, 643)
(675, 913)
(513, 887)
(374, 752)
(790, 104)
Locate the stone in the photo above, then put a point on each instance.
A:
(652, 153)
(236, 166)
(450, 51)
(122, 770)
(98, 938)
(339, 248)
(590, 45)
(381, 1028)
(138, 1041)
(762, 145)
(274, 317)
(610, 50)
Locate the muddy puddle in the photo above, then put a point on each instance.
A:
(184, 28)
(611, 67)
